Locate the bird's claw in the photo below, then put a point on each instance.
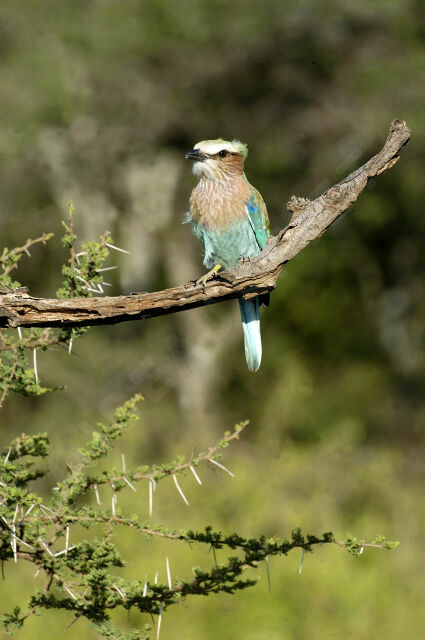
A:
(208, 276)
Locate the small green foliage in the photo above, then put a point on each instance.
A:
(81, 275)
(10, 258)
(12, 622)
(382, 542)
(36, 446)
(15, 374)
(102, 439)
(81, 278)
(107, 631)
(69, 238)
(356, 547)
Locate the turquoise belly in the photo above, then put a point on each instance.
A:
(229, 246)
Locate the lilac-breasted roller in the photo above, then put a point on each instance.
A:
(230, 218)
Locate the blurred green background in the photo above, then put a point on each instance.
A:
(99, 102)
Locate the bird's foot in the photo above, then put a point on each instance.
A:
(209, 276)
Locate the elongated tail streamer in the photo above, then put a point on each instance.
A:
(250, 314)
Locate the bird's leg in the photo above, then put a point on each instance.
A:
(208, 276)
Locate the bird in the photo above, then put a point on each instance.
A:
(230, 218)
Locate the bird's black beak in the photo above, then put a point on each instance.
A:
(195, 154)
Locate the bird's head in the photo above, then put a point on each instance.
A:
(218, 159)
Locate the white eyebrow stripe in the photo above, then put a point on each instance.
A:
(215, 147)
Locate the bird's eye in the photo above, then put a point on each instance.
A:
(222, 153)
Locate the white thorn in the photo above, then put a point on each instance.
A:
(70, 346)
(111, 246)
(69, 591)
(150, 496)
(222, 467)
(119, 590)
(268, 572)
(28, 511)
(7, 457)
(16, 513)
(60, 553)
(302, 560)
(96, 491)
(106, 284)
(106, 269)
(36, 573)
(82, 280)
(20, 333)
(198, 479)
(159, 622)
(22, 541)
(82, 253)
(34, 355)
(4, 520)
(15, 555)
(123, 462)
(113, 504)
(67, 540)
(156, 577)
(176, 482)
(42, 506)
(145, 586)
(361, 550)
(129, 484)
(168, 571)
(45, 546)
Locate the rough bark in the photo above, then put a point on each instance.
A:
(249, 278)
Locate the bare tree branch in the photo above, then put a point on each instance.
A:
(249, 278)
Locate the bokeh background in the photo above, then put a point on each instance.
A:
(99, 102)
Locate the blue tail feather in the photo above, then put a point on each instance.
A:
(250, 314)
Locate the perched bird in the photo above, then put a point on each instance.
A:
(230, 218)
